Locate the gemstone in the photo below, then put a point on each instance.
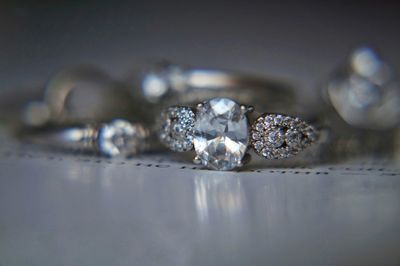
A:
(255, 136)
(267, 153)
(260, 126)
(120, 137)
(176, 130)
(278, 119)
(293, 138)
(221, 134)
(258, 145)
(276, 137)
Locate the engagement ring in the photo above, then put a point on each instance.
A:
(222, 132)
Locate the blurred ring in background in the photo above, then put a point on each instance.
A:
(80, 94)
(362, 105)
(116, 138)
(164, 84)
(366, 91)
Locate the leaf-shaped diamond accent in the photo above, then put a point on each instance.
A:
(277, 136)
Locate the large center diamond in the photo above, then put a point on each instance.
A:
(221, 134)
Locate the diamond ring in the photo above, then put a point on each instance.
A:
(220, 132)
(117, 138)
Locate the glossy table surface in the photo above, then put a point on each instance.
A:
(59, 209)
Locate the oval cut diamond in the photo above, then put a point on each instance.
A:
(221, 134)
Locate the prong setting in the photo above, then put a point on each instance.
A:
(250, 109)
(196, 160)
(245, 160)
(246, 109)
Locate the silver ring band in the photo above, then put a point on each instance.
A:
(166, 84)
(117, 138)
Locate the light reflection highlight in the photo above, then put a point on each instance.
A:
(218, 196)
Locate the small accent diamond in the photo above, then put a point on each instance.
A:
(278, 119)
(260, 126)
(258, 145)
(276, 137)
(293, 138)
(256, 136)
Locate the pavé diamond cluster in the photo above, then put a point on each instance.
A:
(220, 133)
(177, 128)
(276, 136)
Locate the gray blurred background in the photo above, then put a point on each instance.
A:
(299, 41)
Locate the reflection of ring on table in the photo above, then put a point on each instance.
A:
(119, 137)
(221, 133)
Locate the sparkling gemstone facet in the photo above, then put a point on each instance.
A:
(276, 137)
(293, 138)
(121, 138)
(221, 134)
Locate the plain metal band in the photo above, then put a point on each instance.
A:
(168, 85)
(78, 138)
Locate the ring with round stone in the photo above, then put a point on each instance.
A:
(220, 132)
(116, 138)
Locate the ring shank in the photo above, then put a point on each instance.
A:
(168, 85)
(78, 138)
